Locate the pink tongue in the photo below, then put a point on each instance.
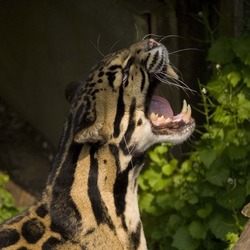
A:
(160, 106)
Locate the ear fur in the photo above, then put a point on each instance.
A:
(71, 89)
(87, 123)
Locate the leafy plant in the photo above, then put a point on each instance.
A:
(196, 204)
(7, 206)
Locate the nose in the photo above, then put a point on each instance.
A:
(152, 43)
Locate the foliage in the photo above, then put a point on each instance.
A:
(196, 204)
(7, 207)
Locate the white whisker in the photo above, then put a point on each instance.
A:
(129, 151)
(164, 78)
(137, 32)
(97, 46)
(112, 47)
(186, 49)
(169, 36)
(151, 35)
(176, 70)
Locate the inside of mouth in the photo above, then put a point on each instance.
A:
(160, 111)
(161, 107)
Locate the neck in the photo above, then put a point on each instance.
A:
(95, 186)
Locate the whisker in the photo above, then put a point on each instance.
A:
(170, 36)
(164, 78)
(176, 70)
(181, 84)
(150, 35)
(128, 151)
(112, 47)
(137, 32)
(97, 46)
(186, 49)
(98, 43)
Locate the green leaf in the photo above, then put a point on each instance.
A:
(168, 169)
(217, 175)
(232, 238)
(234, 78)
(232, 199)
(241, 49)
(220, 226)
(246, 76)
(142, 183)
(162, 149)
(235, 152)
(221, 51)
(183, 240)
(197, 230)
(205, 212)
(4, 178)
(146, 203)
(154, 156)
(161, 184)
(207, 156)
(174, 221)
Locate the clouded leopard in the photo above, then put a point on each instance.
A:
(90, 201)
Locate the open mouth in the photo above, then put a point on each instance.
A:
(159, 111)
(161, 115)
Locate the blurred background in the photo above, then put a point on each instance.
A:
(46, 44)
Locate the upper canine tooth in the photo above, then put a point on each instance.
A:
(184, 107)
(187, 115)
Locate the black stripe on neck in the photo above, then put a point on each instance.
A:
(115, 152)
(99, 208)
(120, 109)
(120, 190)
(143, 79)
(62, 147)
(130, 129)
(136, 236)
(65, 215)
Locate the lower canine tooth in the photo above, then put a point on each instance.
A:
(189, 110)
(153, 116)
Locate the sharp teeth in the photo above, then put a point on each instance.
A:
(168, 120)
(184, 107)
(189, 111)
(161, 119)
(153, 116)
(171, 72)
(187, 115)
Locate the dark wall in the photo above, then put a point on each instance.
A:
(46, 44)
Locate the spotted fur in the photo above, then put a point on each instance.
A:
(90, 201)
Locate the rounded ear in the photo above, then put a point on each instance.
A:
(87, 125)
(71, 89)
